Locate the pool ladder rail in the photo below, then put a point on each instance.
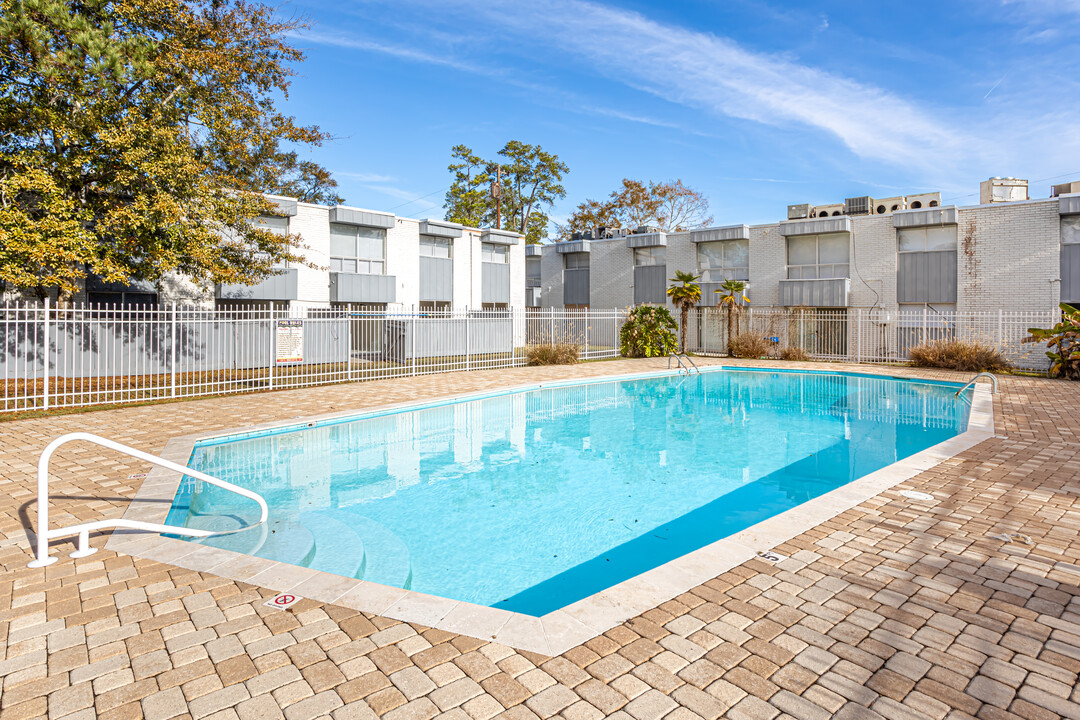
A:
(682, 366)
(44, 534)
(975, 379)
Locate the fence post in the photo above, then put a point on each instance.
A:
(172, 349)
(467, 327)
(588, 326)
(551, 339)
(858, 336)
(273, 347)
(1001, 330)
(925, 325)
(348, 342)
(412, 343)
(45, 351)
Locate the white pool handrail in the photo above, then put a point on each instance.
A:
(973, 380)
(679, 359)
(83, 529)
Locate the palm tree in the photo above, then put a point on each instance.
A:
(684, 296)
(733, 292)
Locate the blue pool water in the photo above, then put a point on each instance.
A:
(532, 500)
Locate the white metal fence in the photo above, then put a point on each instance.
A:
(62, 357)
(65, 357)
(872, 335)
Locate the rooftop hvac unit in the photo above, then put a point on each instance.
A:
(602, 232)
(799, 212)
(645, 230)
(586, 235)
(1065, 189)
(620, 232)
(859, 205)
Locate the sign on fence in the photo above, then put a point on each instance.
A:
(289, 341)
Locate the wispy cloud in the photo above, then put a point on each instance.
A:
(715, 74)
(365, 177)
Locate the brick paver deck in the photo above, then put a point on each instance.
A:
(895, 609)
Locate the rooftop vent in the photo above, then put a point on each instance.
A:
(859, 205)
(799, 212)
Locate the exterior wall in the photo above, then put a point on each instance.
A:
(1009, 256)
(312, 222)
(611, 274)
(517, 275)
(466, 252)
(403, 260)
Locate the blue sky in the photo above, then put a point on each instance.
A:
(757, 104)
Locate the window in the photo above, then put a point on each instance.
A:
(724, 260)
(928, 239)
(650, 256)
(276, 225)
(436, 247)
(576, 261)
(812, 257)
(1070, 229)
(492, 253)
(357, 250)
(532, 272)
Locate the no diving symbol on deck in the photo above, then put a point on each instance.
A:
(284, 601)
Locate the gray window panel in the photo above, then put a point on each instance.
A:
(1070, 273)
(815, 293)
(495, 283)
(436, 279)
(362, 288)
(926, 277)
(650, 284)
(576, 286)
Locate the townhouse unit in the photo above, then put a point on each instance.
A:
(899, 253)
(361, 258)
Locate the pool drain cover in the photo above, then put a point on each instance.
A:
(916, 495)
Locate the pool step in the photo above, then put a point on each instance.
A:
(386, 557)
(338, 549)
(286, 541)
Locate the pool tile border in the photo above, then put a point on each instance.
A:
(557, 631)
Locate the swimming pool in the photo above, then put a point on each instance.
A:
(531, 500)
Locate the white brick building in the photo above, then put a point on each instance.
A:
(362, 257)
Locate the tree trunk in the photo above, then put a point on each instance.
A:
(729, 330)
(685, 313)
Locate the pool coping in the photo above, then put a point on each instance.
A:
(559, 630)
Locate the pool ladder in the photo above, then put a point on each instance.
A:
(44, 534)
(682, 366)
(973, 380)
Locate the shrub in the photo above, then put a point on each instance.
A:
(749, 345)
(1062, 343)
(557, 354)
(649, 331)
(966, 355)
(795, 354)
